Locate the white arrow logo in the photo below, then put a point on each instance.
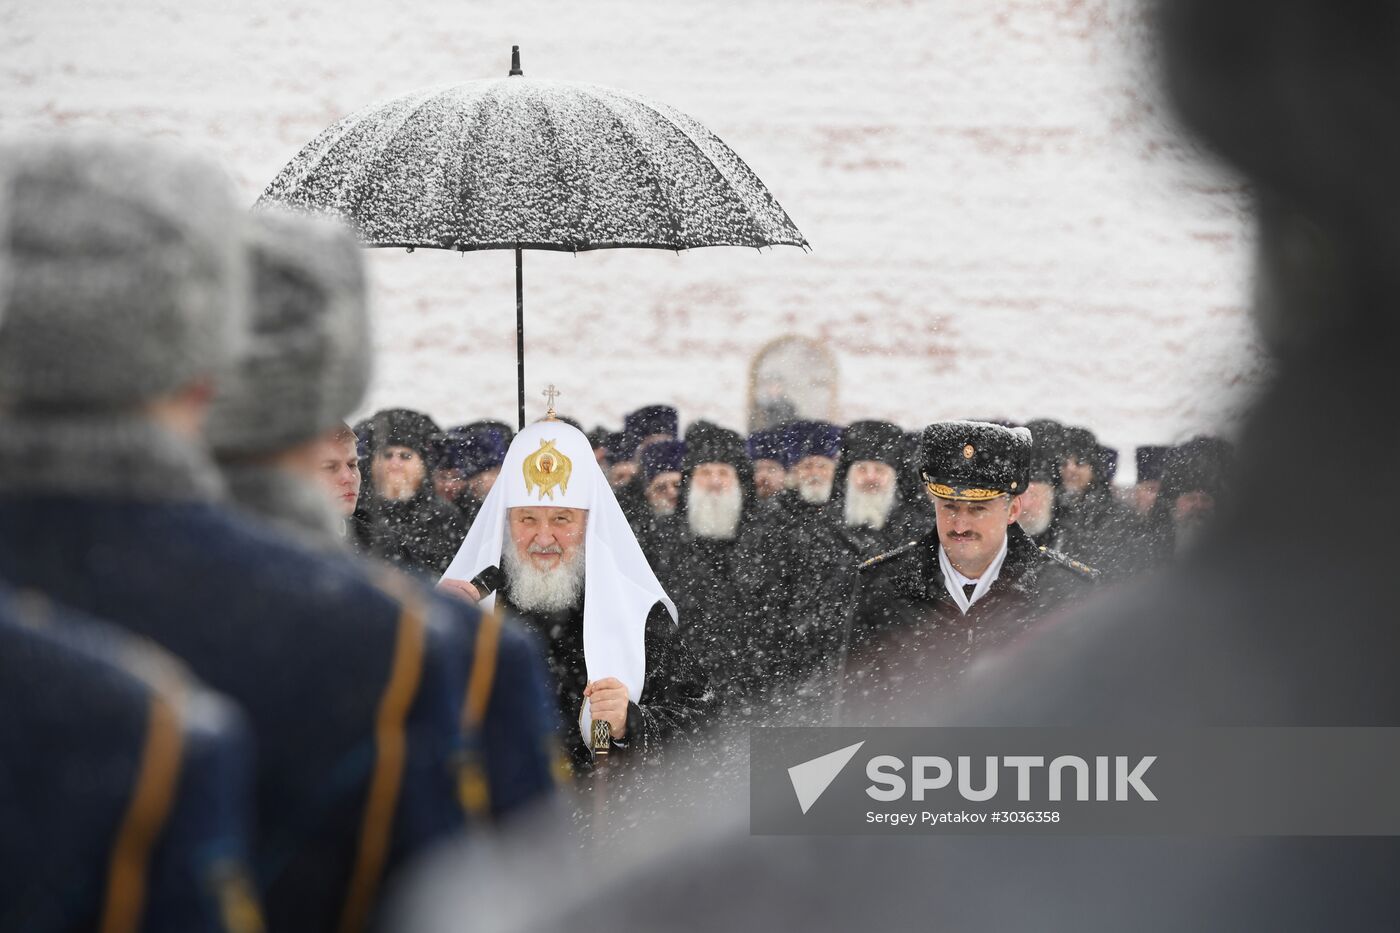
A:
(811, 778)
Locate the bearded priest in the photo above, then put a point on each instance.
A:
(552, 548)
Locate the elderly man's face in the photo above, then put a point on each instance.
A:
(547, 537)
(973, 532)
(714, 477)
(448, 483)
(815, 472)
(1076, 475)
(872, 476)
(622, 472)
(481, 483)
(663, 492)
(1037, 507)
(397, 472)
(769, 477)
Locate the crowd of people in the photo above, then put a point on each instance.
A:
(759, 538)
(272, 657)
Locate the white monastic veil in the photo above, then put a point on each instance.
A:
(619, 586)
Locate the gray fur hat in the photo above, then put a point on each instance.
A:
(126, 280)
(306, 360)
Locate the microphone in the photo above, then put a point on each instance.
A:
(489, 581)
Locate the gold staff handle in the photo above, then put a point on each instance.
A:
(602, 737)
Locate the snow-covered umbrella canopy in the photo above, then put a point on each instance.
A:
(521, 162)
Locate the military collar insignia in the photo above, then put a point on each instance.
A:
(546, 468)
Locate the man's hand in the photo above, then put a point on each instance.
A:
(607, 699)
(460, 589)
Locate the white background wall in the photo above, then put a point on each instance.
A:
(1003, 221)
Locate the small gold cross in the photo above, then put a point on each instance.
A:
(551, 394)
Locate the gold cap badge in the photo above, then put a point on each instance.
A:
(547, 468)
(968, 451)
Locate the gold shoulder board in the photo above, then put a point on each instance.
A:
(1064, 560)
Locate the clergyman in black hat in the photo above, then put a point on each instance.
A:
(1094, 526)
(870, 514)
(402, 521)
(1151, 459)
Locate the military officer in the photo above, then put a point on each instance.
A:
(977, 579)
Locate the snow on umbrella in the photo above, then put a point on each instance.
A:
(522, 163)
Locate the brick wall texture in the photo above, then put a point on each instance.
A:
(1004, 221)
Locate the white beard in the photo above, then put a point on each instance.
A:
(534, 590)
(815, 495)
(1036, 525)
(715, 514)
(661, 510)
(871, 509)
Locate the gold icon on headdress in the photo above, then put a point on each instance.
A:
(547, 468)
(968, 451)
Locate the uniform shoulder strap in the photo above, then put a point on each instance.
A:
(390, 749)
(1064, 560)
(147, 814)
(879, 559)
(473, 785)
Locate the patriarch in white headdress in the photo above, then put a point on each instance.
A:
(551, 464)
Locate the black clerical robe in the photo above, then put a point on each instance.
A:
(676, 698)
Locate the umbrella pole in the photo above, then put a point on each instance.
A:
(520, 334)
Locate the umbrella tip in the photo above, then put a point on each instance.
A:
(515, 62)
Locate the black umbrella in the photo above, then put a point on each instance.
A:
(520, 163)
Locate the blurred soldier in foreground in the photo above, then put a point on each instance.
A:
(303, 368)
(128, 786)
(276, 420)
(127, 300)
(552, 547)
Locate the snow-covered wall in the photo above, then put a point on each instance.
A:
(1003, 221)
